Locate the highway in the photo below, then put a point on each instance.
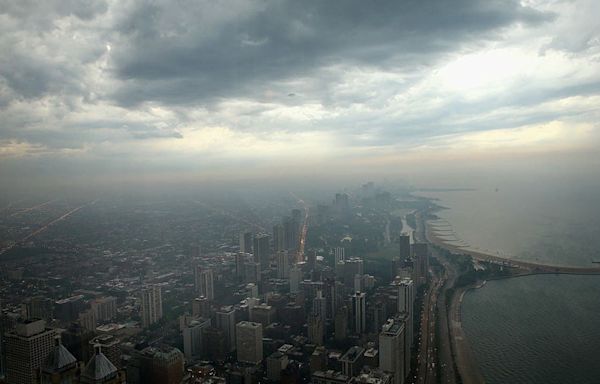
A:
(303, 230)
(43, 228)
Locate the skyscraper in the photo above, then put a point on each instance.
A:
(262, 250)
(246, 242)
(27, 347)
(404, 246)
(341, 323)
(421, 256)
(151, 305)
(203, 281)
(295, 278)
(319, 305)
(192, 338)
(225, 320)
(249, 342)
(278, 238)
(406, 300)
(340, 254)
(392, 356)
(359, 312)
(316, 328)
(283, 265)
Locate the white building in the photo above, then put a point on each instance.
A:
(151, 305)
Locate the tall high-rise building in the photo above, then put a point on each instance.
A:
(151, 305)
(203, 282)
(319, 305)
(421, 256)
(283, 265)
(295, 279)
(253, 274)
(352, 267)
(27, 347)
(359, 312)
(87, 319)
(406, 300)
(352, 361)
(278, 238)
(246, 242)
(316, 328)
(201, 307)
(225, 320)
(392, 353)
(276, 362)
(404, 247)
(193, 346)
(105, 308)
(263, 313)
(37, 307)
(341, 203)
(249, 342)
(262, 250)
(240, 266)
(341, 323)
(340, 254)
(291, 230)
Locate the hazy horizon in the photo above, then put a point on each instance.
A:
(133, 93)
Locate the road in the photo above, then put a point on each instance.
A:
(445, 356)
(43, 228)
(303, 230)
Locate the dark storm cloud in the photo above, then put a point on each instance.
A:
(183, 54)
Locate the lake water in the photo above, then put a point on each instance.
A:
(537, 329)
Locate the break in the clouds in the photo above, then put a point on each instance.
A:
(201, 85)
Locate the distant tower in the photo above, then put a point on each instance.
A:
(203, 281)
(295, 278)
(262, 250)
(359, 312)
(340, 254)
(278, 238)
(249, 342)
(421, 256)
(151, 305)
(240, 267)
(246, 242)
(283, 265)
(27, 347)
(201, 307)
(404, 247)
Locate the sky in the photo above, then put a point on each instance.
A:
(103, 90)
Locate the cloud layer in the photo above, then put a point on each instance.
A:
(199, 86)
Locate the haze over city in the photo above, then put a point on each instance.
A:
(328, 192)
